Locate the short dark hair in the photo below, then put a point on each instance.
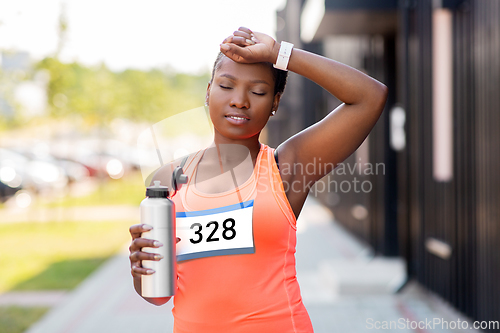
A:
(279, 76)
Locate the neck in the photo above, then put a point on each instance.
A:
(230, 149)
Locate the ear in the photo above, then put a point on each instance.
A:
(276, 101)
(207, 95)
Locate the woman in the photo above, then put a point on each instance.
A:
(255, 290)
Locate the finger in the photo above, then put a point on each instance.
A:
(137, 229)
(142, 270)
(243, 39)
(139, 256)
(246, 38)
(234, 52)
(228, 39)
(245, 35)
(245, 29)
(139, 243)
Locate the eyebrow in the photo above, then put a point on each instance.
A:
(229, 76)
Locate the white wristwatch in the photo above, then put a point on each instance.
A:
(284, 56)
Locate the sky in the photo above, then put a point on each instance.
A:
(182, 34)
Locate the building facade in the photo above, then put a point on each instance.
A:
(436, 201)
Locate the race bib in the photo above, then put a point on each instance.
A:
(215, 232)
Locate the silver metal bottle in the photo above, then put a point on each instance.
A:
(158, 211)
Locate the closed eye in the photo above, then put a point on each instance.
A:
(224, 87)
(260, 94)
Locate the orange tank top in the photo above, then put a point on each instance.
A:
(248, 292)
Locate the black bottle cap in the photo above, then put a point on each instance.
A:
(157, 191)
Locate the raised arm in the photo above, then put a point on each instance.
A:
(341, 132)
(336, 136)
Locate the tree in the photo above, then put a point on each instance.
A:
(99, 94)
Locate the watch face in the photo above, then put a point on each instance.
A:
(284, 56)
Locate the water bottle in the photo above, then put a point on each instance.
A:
(158, 211)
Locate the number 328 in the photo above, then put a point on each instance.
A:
(228, 233)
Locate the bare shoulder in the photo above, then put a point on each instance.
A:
(164, 173)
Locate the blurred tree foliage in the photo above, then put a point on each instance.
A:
(100, 95)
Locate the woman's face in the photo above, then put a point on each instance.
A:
(241, 98)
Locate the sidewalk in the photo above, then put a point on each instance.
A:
(84, 213)
(344, 290)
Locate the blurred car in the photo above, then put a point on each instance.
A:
(72, 170)
(12, 173)
(106, 157)
(18, 170)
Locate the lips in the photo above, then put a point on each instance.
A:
(237, 119)
(237, 116)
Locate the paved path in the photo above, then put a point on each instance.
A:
(33, 298)
(344, 289)
(83, 213)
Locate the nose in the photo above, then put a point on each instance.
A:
(240, 99)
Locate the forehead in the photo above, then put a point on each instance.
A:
(256, 71)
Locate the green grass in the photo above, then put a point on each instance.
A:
(60, 255)
(56, 255)
(14, 319)
(128, 190)
(66, 274)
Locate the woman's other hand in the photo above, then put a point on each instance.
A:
(245, 46)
